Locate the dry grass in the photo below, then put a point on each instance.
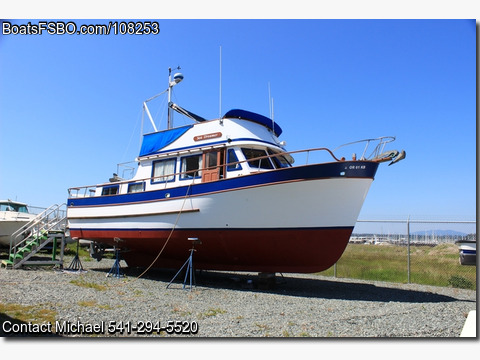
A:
(438, 265)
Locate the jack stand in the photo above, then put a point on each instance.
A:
(76, 264)
(116, 270)
(189, 264)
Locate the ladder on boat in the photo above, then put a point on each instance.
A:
(46, 230)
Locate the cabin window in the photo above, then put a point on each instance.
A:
(232, 158)
(163, 170)
(280, 161)
(110, 190)
(136, 187)
(191, 166)
(264, 163)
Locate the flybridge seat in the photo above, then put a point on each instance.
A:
(259, 119)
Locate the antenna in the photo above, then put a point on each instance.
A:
(270, 105)
(220, 91)
(269, 101)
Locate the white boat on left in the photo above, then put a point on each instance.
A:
(13, 215)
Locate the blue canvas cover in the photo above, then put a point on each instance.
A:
(156, 141)
(259, 119)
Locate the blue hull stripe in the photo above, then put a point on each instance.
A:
(342, 169)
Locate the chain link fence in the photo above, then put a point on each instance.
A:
(408, 251)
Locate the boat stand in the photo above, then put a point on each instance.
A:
(189, 264)
(76, 264)
(116, 270)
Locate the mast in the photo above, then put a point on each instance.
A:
(176, 79)
(170, 114)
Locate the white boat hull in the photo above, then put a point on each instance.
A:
(467, 252)
(10, 224)
(307, 204)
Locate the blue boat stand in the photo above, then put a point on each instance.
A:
(189, 264)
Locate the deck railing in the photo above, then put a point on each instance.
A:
(89, 191)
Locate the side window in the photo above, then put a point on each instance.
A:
(136, 187)
(22, 209)
(110, 190)
(190, 167)
(232, 158)
(264, 163)
(163, 170)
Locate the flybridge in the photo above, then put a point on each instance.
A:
(156, 141)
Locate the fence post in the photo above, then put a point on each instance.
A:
(408, 249)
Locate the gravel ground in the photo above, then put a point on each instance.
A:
(234, 304)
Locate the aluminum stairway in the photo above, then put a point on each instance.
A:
(47, 228)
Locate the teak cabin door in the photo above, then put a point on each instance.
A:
(213, 162)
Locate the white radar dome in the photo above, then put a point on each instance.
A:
(178, 77)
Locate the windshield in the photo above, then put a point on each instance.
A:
(274, 161)
(255, 154)
(13, 207)
(280, 161)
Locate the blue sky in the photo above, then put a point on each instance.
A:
(70, 105)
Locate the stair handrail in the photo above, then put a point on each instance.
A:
(32, 253)
(44, 215)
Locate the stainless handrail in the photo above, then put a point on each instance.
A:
(379, 148)
(382, 141)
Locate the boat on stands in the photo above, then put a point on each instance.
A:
(13, 216)
(230, 184)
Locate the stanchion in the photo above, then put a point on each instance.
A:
(189, 264)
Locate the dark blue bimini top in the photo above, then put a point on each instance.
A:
(259, 119)
(156, 141)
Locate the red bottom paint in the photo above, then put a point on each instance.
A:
(269, 250)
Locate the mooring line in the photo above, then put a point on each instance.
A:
(166, 242)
